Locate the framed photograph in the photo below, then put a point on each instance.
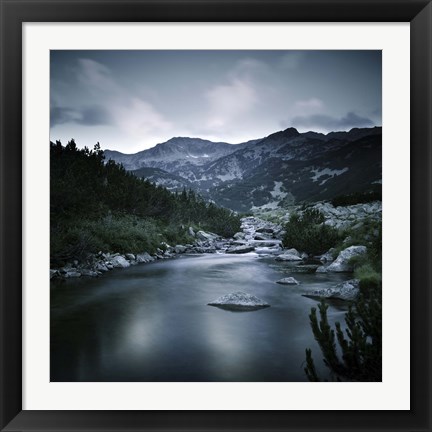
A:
(234, 209)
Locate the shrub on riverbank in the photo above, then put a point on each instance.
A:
(360, 346)
(368, 276)
(368, 232)
(367, 268)
(307, 232)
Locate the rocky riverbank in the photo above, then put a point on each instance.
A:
(258, 236)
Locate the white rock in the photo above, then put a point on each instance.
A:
(341, 264)
(72, 274)
(292, 251)
(288, 257)
(240, 250)
(119, 262)
(239, 301)
(288, 281)
(100, 267)
(327, 257)
(239, 235)
(348, 290)
(89, 273)
(206, 236)
(144, 257)
(260, 236)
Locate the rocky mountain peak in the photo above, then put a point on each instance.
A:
(285, 134)
(291, 132)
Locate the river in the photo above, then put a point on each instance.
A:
(151, 322)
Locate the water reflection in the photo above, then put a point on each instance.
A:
(152, 323)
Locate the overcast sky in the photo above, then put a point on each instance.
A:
(132, 100)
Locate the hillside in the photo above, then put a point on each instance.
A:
(98, 206)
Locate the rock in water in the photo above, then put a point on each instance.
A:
(288, 257)
(239, 235)
(239, 301)
(89, 273)
(327, 257)
(180, 249)
(342, 263)
(288, 281)
(144, 257)
(119, 262)
(292, 251)
(240, 250)
(348, 290)
(259, 236)
(72, 274)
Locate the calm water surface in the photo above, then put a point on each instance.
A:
(151, 322)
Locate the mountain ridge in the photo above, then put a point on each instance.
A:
(284, 167)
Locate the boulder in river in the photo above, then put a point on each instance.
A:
(288, 257)
(240, 250)
(348, 290)
(101, 267)
(239, 301)
(191, 232)
(144, 257)
(179, 249)
(292, 251)
(72, 274)
(327, 257)
(288, 281)
(89, 273)
(342, 262)
(239, 235)
(206, 236)
(119, 262)
(266, 243)
(260, 236)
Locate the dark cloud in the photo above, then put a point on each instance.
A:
(322, 121)
(60, 115)
(95, 115)
(148, 96)
(89, 116)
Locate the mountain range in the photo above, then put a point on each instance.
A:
(283, 168)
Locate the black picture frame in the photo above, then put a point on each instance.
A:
(16, 12)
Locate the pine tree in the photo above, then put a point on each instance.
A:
(360, 347)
